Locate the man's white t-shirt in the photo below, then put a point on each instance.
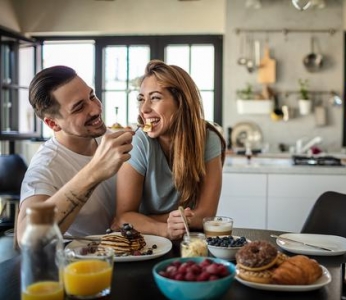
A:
(52, 166)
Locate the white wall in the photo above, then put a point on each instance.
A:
(8, 17)
(124, 17)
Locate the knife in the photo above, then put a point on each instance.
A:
(301, 243)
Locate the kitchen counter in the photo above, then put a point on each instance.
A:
(282, 164)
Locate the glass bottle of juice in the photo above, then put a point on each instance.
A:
(41, 247)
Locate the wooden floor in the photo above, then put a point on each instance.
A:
(6, 244)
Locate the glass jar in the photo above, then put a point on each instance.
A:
(194, 245)
(41, 249)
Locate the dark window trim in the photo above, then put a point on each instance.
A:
(156, 41)
(17, 39)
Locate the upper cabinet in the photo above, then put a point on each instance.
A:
(20, 58)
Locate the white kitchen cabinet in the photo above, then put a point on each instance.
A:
(243, 197)
(291, 196)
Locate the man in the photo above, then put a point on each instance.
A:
(76, 168)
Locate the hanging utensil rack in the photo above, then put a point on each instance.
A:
(288, 93)
(285, 31)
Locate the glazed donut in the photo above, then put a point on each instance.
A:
(257, 256)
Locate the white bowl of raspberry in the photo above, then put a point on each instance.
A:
(225, 247)
(194, 278)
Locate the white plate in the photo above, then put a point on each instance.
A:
(163, 246)
(334, 242)
(322, 281)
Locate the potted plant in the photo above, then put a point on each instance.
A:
(246, 93)
(304, 100)
(251, 102)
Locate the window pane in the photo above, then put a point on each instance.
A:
(6, 105)
(178, 55)
(26, 66)
(113, 100)
(79, 55)
(202, 66)
(26, 113)
(115, 68)
(26, 73)
(139, 56)
(133, 107)
(129, 62)
(208, 105)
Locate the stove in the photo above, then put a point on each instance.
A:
(328, 161)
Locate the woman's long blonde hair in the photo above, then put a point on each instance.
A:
(188, 130)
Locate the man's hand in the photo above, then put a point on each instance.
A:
(112, 152)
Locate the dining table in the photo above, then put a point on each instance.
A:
(134, 279)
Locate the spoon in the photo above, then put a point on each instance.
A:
(242, 60)
(181, 209)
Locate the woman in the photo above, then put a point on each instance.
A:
(178, 162)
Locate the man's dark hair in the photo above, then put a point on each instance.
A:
(44, 84)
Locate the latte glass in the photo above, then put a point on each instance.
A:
(217, 226)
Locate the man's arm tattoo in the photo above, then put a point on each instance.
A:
(75, 201)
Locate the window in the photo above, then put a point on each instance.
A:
(198, 61)
(18, 66)
(69, 53)
(123, 66)
(124, 59)
(113, 65)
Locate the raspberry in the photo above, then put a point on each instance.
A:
(189, 270)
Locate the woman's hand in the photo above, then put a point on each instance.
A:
(175, 223)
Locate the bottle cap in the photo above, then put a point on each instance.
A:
(41, 213)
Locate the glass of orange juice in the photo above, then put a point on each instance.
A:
(87, 271)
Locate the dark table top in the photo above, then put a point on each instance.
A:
(134, 280)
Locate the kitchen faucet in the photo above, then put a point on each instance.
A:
(300, 149)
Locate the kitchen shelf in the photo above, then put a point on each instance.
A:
(254, 106)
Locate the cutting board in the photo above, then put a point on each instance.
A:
(267, 68)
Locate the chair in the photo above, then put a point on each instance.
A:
(12, 171)
(327, 216)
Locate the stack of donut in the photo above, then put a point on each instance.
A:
(261, 262)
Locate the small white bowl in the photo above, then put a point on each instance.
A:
(227, 253)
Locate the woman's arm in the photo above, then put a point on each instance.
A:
(210, 193)
(129, 189)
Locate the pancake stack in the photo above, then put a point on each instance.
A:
(126, 243)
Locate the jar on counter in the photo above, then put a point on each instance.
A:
(195, 245)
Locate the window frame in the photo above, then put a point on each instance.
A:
(14, 63)
(157, 44)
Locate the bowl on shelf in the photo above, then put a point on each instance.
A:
(212, 279)
(226, 247)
